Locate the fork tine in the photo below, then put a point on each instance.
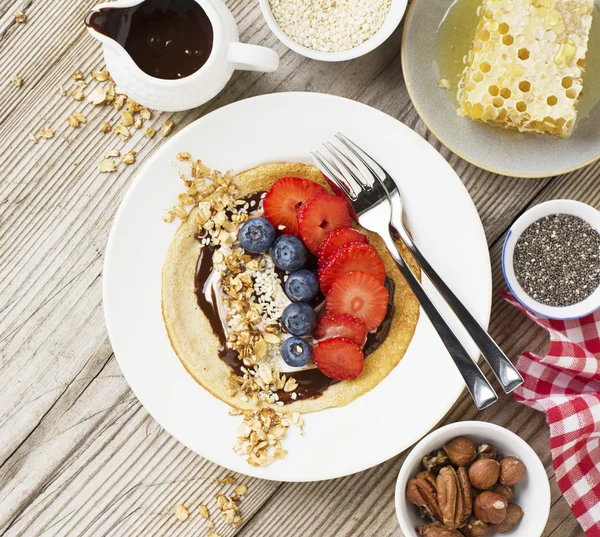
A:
(359, 176)
(364, 157)
(345, 170)
(332, 174)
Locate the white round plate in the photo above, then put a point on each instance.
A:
(286, 127)
(492, 148)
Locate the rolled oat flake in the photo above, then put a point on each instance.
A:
(557, 260)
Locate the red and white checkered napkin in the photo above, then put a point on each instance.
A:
(565, 385)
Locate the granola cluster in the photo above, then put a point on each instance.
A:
(261, 433)
(253, 303)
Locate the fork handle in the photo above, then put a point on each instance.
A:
(503, 369)
(480, 389)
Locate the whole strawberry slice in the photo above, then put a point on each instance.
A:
(339, 237)
(339, 358)
(341, 325)
(319, 216)
(285, 197)
(361, 295)
(353, 256)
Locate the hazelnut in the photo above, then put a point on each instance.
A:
(504, 490)
(484, 473)
(513, 515)
(490, 507)
(512, 470)
(486, 451)
(474, 528)
(461, 451)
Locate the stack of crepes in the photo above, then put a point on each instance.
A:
(565, 384)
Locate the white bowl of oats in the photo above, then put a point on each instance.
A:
(333, 30)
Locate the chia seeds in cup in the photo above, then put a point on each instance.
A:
(557, 260)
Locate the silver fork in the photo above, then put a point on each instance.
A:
(503, 369)
(373, 210)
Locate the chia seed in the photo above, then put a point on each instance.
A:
(557, 260)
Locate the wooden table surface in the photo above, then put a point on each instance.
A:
(79, 455)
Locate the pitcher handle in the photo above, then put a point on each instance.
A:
(252, 57)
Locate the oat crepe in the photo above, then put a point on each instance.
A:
(197, 346)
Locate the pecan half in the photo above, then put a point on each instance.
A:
(425, 485)
(437, 530)
(454, 497)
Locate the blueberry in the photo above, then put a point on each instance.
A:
(302, 286)
(295, 351)
(299, 319)
(289, 253)
(257, 235)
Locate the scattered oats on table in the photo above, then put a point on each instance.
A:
(181, 512)
(77, 75)
(20, 17)
(46, 133)
(203, 511)
(330, 25)
(107, 165)
(105, 127)
(129, 158)
(33, 137)
(167, 127)
(150, 132)
(97, 96)
(17, 80)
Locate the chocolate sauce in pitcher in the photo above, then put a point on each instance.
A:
(167, 39)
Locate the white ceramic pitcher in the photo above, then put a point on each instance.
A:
(227, 55)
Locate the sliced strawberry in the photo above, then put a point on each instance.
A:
(339, 237)
(361, 295)
(319, 216)
(285, 197)
(339, 358)
(353, 256)
(341, 325)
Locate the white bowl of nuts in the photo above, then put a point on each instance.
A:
(470, 479)
(330, 30)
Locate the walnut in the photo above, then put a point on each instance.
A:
(490, 507)
(486, 451)
(484, 473)
(513, 515)
(512, 470)
(474, 528)
(437, 530)
(436, 461)
(460, 450)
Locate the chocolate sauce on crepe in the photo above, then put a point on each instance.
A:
(311, 382)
